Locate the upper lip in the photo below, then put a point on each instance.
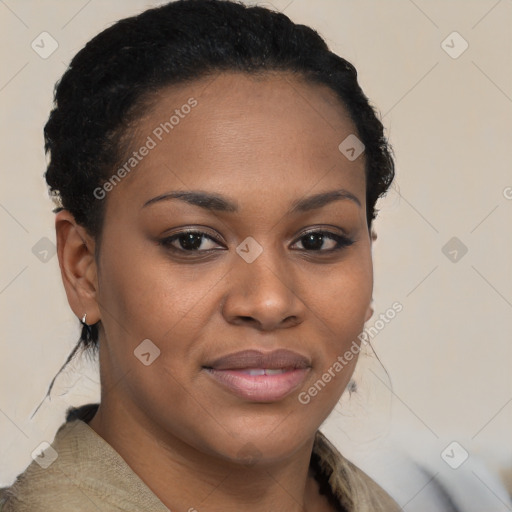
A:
(276, 359)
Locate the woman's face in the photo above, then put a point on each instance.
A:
(269, 267)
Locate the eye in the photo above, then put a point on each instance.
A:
(190, 241)
(324, 241)
(194, 241)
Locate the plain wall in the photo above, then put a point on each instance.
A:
(448, 353)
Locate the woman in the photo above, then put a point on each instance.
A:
(216, 169)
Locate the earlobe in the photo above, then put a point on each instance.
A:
(75, 249)
(370, 310)
(369, 313)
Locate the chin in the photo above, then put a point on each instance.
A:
(259, 440)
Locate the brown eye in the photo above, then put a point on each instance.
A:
(189, 241)
(324, 241)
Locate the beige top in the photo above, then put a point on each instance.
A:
(88, 475)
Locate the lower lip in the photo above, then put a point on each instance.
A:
(259, 388)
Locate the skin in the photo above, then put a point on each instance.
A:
(261, 142)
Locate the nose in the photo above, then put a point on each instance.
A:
(263, 294)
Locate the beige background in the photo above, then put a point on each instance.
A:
(448, 353)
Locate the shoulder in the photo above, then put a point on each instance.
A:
(50, 480)
(3, 497)
(353, 487)
(79, 471)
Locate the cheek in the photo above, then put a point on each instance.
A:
(147, 294)
(341, 295)
(143, 298)
(340, 309)
(147, 297)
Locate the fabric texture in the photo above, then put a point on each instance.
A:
(88, 475)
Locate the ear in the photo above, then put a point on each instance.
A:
(369, 313)
(370, 310)
(75, 250)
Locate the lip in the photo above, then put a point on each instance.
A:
(288, 371)
(276, 359)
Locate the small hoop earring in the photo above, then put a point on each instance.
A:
(89, 333)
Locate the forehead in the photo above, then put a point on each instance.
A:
(247, 136)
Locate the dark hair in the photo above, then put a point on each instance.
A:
(109, 81)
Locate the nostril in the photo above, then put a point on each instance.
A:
(291, 320)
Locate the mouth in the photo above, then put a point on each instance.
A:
(260, 377)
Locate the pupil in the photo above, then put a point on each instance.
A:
(311, 238)
(187, 241)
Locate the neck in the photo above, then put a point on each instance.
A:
(202, 481)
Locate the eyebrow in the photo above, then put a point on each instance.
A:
(216, 202)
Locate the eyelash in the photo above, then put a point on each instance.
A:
(342, 241)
